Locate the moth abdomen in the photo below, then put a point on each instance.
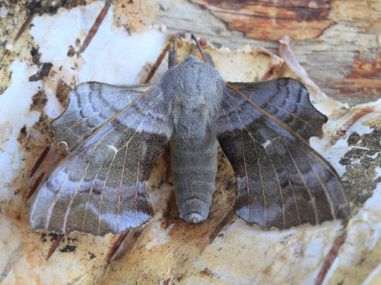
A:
(194, 168)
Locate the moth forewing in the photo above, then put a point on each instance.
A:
(282, 182)
(101, 186)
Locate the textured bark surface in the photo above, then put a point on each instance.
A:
(337, 42)
(342, 58)
(271, 20)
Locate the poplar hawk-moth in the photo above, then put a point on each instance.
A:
(115, 134)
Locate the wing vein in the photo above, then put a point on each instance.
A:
(255, 142)
(137, 184)
(109, 169)
(112, 119)
(284, 126)
(295, 200)
(77, 189)
(304, 183)
(262, 186)
(323, 187)
(287, 129)
(259, 169)
(121, 185)
(288, 112)
(89, 195)
(84, 119)
(103, 190)
(247, 179)
(49, 216)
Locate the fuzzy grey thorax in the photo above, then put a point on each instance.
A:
(193, 88)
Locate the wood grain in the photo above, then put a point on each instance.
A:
(270, 20)
(337, 42)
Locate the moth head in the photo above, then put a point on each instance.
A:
(192, 58)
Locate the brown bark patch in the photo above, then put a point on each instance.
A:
(39, 101)
(364, 77)
(271, 20)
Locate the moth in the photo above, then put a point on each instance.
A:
(115, 134)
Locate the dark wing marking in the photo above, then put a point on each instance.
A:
(263, 129)
(115, 135)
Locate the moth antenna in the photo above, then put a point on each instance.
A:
(172, 56)
(200, 49)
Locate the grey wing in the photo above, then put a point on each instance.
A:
(115, 135)
(263, 129)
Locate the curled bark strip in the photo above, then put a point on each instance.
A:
(39, 161)
(35, 185)
(95, 26)
(348, 124)
(331, 257)
(28, 20)
(54, 246)
(115, 246)
(157, 64)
